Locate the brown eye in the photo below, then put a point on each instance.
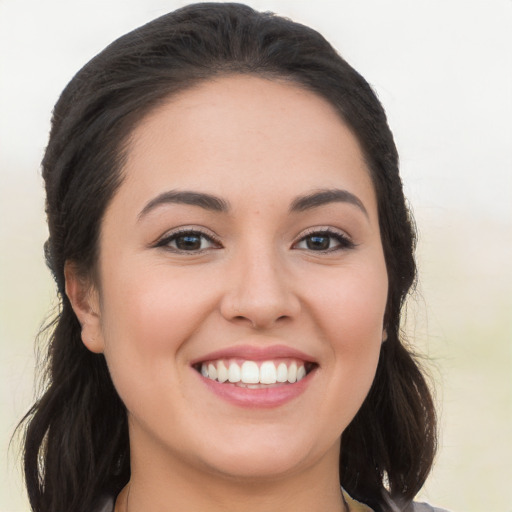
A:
(318, 242)
(188, 241)
(324, 241)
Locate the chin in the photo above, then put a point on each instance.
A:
(260, 457)
(261, 467)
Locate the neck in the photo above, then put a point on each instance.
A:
(157, 484)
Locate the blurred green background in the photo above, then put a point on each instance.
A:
(443, 71)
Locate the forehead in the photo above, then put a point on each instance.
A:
(240, 130)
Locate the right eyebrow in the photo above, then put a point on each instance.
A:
(206, 201)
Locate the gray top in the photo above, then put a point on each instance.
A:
(415, 506)
(421, 507)
(425, 507)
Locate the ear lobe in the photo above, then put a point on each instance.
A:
(85, 303)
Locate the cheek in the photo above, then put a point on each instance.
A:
(352, 306)
(350, 310)
(148, 315)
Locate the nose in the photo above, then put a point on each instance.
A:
(259, 291)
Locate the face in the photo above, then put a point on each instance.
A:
(242, 282)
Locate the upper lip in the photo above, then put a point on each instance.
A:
(256, 353)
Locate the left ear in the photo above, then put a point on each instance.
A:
(85, 303)
(384, 335)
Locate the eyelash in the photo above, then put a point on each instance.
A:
(342, 241)
(172, 237)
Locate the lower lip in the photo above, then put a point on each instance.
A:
(264, 398)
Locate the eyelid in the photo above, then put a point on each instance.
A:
(345, 240)
(165, 239)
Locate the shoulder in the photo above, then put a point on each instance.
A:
(425, 507)
(395, 506)
(415, 506)
(105, 503)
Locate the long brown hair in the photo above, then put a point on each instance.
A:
(76, 440)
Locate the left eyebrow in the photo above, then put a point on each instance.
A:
(323, 197)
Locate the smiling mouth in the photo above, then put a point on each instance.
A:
(255, 374)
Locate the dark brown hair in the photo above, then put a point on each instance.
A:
(76, 442)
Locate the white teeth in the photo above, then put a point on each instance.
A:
(222, 372)
(292, 373)
(234, 373)
(252, 374)
(282, 373)
(268, 373)
(212, 371)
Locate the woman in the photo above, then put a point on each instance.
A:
(232, 249)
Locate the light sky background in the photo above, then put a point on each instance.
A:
(443, 70)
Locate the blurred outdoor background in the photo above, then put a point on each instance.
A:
(443, 70)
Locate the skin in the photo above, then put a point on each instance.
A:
(153, 310)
